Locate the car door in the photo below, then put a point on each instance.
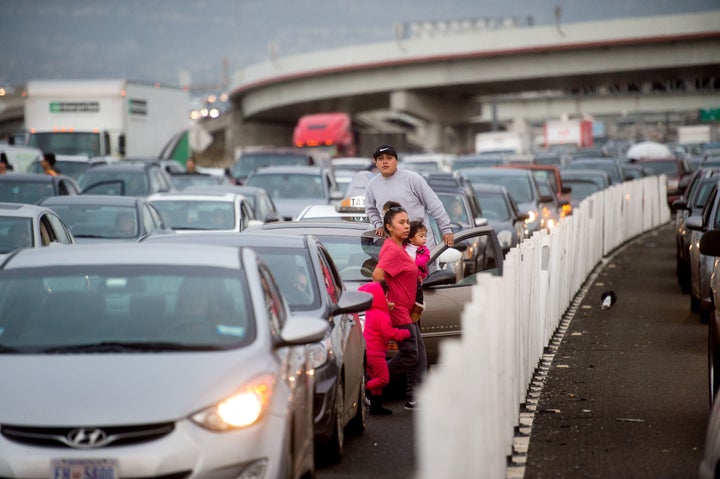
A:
(446, 296)
(346, 330)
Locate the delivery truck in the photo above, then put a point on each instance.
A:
(90, 118)
(569, 132)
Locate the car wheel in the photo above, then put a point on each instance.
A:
(332, 451)
(694, 304)
(357, 424)
(713, 358)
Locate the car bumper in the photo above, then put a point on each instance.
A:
(326, 378)
(188, 451)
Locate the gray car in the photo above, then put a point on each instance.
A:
(152, 361)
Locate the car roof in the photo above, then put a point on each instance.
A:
(21, 210)
(191, 196)
(119, 254)
(301, 170)
(233, 239)
(91, 200)
(481, 188)
(238, 189)
(338, 227)
(30, 177)
(124, 166)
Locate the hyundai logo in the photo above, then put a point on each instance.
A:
(82, 438)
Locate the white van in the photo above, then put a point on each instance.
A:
(20, 157)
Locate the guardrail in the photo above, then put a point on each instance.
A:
(471, 401)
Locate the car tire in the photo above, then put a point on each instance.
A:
(357, 424)
(694, 304)
(713, 360)
(332, 450)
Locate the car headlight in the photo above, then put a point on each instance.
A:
(319, 352)
(505, 238)
(532, 217)
(240, 410)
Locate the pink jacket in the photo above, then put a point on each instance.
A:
(378, 329)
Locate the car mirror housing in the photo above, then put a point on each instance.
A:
(694, 223)
(439, 278)
(710, 243)
(353, 302)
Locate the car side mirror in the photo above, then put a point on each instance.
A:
(694, 223)
(439, 277)
(545, 199)
(679, 204)
(480, 221)
(710, 243)
(272, 217)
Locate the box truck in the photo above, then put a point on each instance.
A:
(103, 117)
(569, 132)
(502, 142)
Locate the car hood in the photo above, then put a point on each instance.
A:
(114, 389)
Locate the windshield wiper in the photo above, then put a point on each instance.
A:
(8, 349)
(134, 347)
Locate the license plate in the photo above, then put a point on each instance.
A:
(84, 469)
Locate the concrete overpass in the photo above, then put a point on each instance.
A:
(450, 80)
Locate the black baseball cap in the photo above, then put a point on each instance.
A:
(384, 150)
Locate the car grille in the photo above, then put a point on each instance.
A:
(86, 437)
(174, 475)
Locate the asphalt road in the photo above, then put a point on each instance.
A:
(625, 395)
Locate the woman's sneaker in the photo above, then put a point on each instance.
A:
(410, 404)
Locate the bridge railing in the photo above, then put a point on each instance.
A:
(470, 404)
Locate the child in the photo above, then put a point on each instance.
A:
(417, 250)
(378, 331)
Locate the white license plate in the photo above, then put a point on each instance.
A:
(84, 469)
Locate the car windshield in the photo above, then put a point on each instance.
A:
(67, 143)
(354, 256)
(123, 308)
(288, 185)
(669, 168)
(455, 208)
(135, 182)
(15, 232)
(99, 221)
(249, 162)
(517, 186)
(181, 181)
(581, 189)
(181, 214)
(494, 207)
(69, 168)
(608, 166)
(29, 192)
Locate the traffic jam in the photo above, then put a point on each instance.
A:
(165, 317)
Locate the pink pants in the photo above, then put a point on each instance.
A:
(377, 370)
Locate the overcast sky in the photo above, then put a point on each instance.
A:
(154, 40)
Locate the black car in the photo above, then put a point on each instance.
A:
(29, 188)
(126, 178)
(309, 281)
(249, 161)
(502, 214)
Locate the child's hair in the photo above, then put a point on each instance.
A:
(415, 227)
(384, 285)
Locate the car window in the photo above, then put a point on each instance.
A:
(58, 306)
(60, 233)
(294, 275)
(46, 232)
(273, 303)
(196, 215)
(332, 286)
(15, 233)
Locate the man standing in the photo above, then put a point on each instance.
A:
(407, 188)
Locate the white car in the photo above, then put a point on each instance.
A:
(193, 212)
(142, 360)
(30, 226)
